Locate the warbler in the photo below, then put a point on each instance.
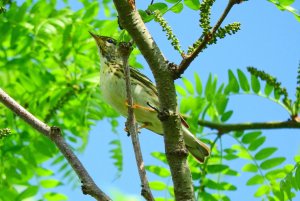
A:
(113, 88)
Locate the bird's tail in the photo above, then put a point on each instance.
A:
(198, 149)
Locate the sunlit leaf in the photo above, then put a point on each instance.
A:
(250, 168)
(55, 196)
(268, 89)
(233, 85)
(265, 153)
(157, 185)
(188, 85)
(256, 179)
(28, 192)
(198, 84)
(262, 190)
(160, 156)
(160, 171)
(226, 116)
(177, 8)
(250, 137)
(171, 1)
(257, 143)
(255, 84)
(162, 7)
(286, 2)
(50, 183)
(180, 90)
(270, 163)
(243, 81)
(216, 168)
(192, 4)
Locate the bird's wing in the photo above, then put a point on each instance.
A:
(144, 80)
(149, 85)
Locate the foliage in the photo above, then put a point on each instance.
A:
(44, 57)
(49, 64)
(286, 5)
(274, 180)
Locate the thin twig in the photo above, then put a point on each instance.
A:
(131, 125)
(88, 185)
(226, 128)
(189, 58)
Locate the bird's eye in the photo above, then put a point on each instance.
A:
(111, 41)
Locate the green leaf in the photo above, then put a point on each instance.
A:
(257, 143)
(181, 90)
(250, 168)
(256, 179)
(262, 190)
(255, 84)
(243, 81)
(265, 153)
(157, 185)
(50, 183)
(43, 172)
(198, 84)
(297, 158)
(230, 172)
(268, 89)
(227, 186)
(275, 174)
(221, 102)
(286, 2)
(162, 7)
(188, 85)
(172, 1)
(297, 176)
(243, 153)
(91, 11)
(177, 8)
(146, 18)
(160, 156)
(210, 88)
(27, 193)
(116, 154)
(55, 196)
(270, 163)
(160, 171)
(192, 4)
(226, 116)
(233, 85)
(250, 137)
(216, 168)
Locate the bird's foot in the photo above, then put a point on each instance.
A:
(137, 106)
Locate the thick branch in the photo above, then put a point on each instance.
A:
(54, 133)
(175, 149)
(131, 125)
(226, 128)
(189, 58)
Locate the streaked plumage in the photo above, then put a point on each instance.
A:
(112, 85)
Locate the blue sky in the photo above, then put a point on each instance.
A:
(269, 40)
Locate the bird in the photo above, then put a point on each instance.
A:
(144, 94)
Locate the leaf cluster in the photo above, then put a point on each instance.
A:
(265, 170)
(49, 64)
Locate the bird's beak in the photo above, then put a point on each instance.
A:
(94, 35)
(98, 39)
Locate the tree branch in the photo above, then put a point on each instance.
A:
(131, 125)
(226, 128)
(130, 19)
(54, 134)
(207, 37)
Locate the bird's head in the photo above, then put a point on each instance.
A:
(108, 47)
